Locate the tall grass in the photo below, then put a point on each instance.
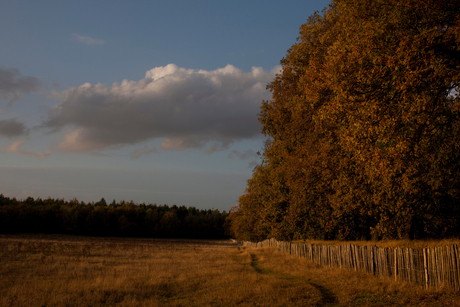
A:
(76, 271)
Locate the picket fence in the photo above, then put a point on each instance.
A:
(431, 267)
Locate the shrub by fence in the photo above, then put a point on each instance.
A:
(431, 267)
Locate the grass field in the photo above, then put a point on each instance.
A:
(79, 271)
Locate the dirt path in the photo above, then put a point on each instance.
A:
(328, 298)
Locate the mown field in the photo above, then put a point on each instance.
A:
(80, 271)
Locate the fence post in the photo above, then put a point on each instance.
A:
(396, 263)
(440, 266)
(373, 260)
(425, 264)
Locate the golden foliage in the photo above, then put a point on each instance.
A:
(364, 127)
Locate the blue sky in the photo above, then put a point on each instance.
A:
(150, 101)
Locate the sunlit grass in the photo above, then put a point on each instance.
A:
(76, 271)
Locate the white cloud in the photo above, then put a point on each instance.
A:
(75, 140)
(162, 71)
(185, 108)
(14, 148)
(88, 40)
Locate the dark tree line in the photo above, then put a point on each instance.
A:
(363, 128)
(124, 219)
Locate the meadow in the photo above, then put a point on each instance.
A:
(57, 270)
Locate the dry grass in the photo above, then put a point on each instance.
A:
(75, 271)
(342, 287)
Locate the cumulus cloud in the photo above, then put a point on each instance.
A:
(14, 148)
(88, 40)
(185, 108)
(11, 128)
(143, 151)
(12, 85)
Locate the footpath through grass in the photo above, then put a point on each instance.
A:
(78, 271)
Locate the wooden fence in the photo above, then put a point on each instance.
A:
(431, 267)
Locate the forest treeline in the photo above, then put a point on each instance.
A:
(363, 128)
(124, 219)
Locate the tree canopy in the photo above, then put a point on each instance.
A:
(124, 219)
(363, 128)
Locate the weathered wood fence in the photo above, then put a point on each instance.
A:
(431, 267)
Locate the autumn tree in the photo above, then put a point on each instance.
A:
(363, 127)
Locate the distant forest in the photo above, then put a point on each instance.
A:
(124, 219)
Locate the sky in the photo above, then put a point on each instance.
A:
(149, 101)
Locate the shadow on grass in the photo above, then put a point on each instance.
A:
(255, 264)
(328, 298)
